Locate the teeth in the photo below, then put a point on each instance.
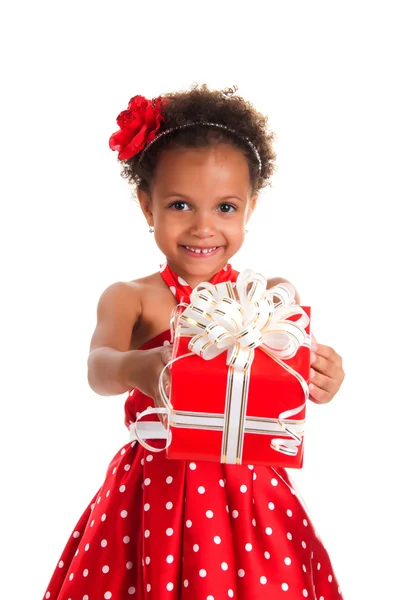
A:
(204, 251)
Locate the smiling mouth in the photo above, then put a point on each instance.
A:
(201, 250)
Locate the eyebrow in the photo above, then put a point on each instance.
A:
(188, 198)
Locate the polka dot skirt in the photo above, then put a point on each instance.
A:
(167, 529)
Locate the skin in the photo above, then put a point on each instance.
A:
(203, 198)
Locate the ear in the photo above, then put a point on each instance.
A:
(146, 205)
(252, 206)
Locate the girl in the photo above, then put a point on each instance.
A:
(161, 528)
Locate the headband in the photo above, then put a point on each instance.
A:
(140, 123)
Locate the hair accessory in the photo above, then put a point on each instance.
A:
(208, 124)
(140, 123)
(138, 126)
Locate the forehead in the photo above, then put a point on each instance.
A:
(222, 169)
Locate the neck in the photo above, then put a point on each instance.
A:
(192, 279)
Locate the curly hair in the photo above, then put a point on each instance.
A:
(200, 104)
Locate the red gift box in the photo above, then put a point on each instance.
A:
(201, 422)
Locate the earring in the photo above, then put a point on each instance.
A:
(246, 231)
(151, 229)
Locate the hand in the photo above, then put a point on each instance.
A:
(326, 375)
(150, 365)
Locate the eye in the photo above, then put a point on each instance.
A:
(224, 208)
(178, 205)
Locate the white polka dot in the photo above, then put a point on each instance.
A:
(254, 476)
(243, 489)
(274, 481)
(305, 593)
(318, 566)
(48, 595)
(209, 514)
(114, 471)
(217, 539)
(201, 489)
(142, 461)
(289, 512)
(85, 597)
(108, 595)
(271, 505)
(86, 547)
(149, 458)
(227, 508)
(92, 523)
(147, 481)
(195, 548)
(173, 290)
(148, 587)
(76, 534)
(289, 536)
(85, 572)
(267, 555)
(147, 560)
(169, 479)
(182, 281)
(169, 531)
(126, 539)
(235, 514)
(104, 543)
(192, 466)
(285, 587)
(186, 582)
(248, 547)
(166, 343)
(251, 467)
(268, 530)
(131, 590)
(263, 580)
(71, 576)
(124, 514)
(169, 559)
(221, 482)
(188, 524)
(129, 565)
(122, 488)
(254, 522)
(162, 267)
(224, 566)
(230, 593)
(288, 561)
(77, 552)
(147, 507)
(210, 598)
(61, 564)
(147, 533)
(169, 586)
(105, 569)
(122, 451)
(305, 522)
(241, 573)
(202, 572)
(127, 467)
(304, 545)
(304, 568)
(169, 505)
(103, 517)
(330, 579)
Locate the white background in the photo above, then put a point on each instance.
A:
(325, 74)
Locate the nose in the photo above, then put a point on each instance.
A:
(203, 225)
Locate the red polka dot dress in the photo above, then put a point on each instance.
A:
(168, 530)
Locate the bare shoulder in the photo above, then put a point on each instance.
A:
(276, 280)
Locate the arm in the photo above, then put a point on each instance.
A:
(119, 308)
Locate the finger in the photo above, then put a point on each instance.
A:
(314, 343)
(329, 353)
(325, 366)
(319, 395)
(323, 382)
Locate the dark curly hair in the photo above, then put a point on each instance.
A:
(200, 104)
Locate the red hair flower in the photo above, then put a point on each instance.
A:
(138, 124)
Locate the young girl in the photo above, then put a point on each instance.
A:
(167, 529)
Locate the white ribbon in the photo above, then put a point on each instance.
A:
(218, 320)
